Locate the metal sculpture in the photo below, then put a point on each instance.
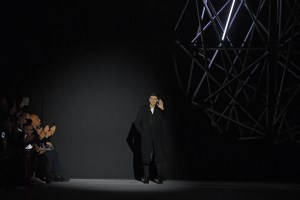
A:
(239, 61)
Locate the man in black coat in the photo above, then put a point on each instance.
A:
(149, 123)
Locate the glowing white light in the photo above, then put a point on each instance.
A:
(228, 19)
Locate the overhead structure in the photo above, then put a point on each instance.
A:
(239, 61)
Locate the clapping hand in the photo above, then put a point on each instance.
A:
(51, 131)
(46, 128)
(41, 133)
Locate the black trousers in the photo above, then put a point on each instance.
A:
(40, 166)
(29, 159)
(159, 167)
(53, 166)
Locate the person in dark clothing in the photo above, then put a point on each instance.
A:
(149, 123)
(49, 168)
(54, 169)
(29, 153)
(40, 163)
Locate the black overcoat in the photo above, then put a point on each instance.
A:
(150, 127)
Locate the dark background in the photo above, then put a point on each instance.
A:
(88, 65)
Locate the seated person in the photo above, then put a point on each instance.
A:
(53, 169)
(30, 154)
(40, 164)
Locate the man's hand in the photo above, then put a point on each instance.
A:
(46, 128)
(53, 128)
(41, 133)
(51, 131)
(39, 150)
(160, 104)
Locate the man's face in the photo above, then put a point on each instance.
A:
(35, 120)
(153, 100)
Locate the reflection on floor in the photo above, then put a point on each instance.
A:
(114, 189)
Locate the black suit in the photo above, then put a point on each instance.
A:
(150, 127)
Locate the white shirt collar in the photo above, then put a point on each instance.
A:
(152, 110)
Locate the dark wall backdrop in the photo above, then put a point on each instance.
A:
(88, 65)
(93, 100)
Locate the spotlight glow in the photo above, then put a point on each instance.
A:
(232, 5)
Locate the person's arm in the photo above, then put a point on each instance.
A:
(161, 108)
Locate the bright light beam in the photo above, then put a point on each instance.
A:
(232, 5)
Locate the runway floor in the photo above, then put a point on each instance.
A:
(113, 189)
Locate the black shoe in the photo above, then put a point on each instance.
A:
(159, 180)
(146, 180)
(47, 179)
